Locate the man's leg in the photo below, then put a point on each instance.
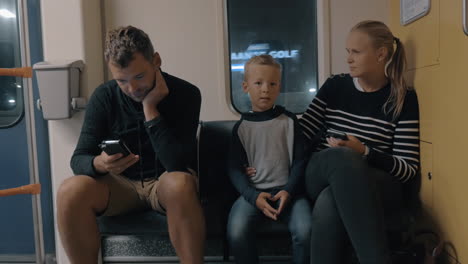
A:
(79, 199)
(241, 231)
(177, 193)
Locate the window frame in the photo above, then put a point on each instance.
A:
(323, 48)
(10, 118)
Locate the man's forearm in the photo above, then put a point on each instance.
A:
(83, 165)
(151, 112)
(174, 153)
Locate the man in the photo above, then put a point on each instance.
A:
(156, 115)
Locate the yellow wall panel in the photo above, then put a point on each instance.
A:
(426, 175)
(421, 36)
(443, 92)
(425, 81)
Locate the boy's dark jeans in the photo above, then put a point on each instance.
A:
(350, 198)
(244, 218)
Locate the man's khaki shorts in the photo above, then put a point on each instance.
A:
(127, 195)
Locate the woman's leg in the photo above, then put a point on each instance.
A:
(328, 234)
(353, 186)
(241, 231)
(299, 218)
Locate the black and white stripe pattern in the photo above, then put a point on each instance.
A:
(394, 145)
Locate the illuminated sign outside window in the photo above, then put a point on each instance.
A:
(286, 30)
(253, 50)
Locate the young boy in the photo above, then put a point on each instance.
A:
(268, 139)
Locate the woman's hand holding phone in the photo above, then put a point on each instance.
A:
(352, 143)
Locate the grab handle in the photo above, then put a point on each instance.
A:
(25, 72)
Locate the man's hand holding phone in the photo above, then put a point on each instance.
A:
(114, 158)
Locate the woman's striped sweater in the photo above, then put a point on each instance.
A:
(393, 144)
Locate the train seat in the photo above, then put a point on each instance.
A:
(143, 237)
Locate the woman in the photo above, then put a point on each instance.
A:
(353, 181)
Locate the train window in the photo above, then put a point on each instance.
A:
(287, 30)
(11, 88)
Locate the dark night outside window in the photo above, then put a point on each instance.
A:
(11, 88)
(287, 31)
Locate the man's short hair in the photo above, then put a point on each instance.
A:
(263, 59)
(123, 42)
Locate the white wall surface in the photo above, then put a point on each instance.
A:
(189, 37)
(344, 15)
(68, 35)
(188, 34)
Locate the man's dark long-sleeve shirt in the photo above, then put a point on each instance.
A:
(273, 143)
(168, 145)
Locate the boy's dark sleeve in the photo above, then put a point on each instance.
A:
(93, 131)
(236, 165)
(300, 158)
(176, 147)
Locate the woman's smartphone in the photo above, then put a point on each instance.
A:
(336, 134)
(112, 147)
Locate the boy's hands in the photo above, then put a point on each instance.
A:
(284, 198)
(263, 198)
(155, 96)
(114, 164)
(263, 205)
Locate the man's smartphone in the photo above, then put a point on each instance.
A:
(336, 134)
(112, 147)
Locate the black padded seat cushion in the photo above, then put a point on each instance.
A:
(217, 196)
(216, 193)
(133, 224)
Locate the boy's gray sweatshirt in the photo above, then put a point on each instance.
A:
(271, 142)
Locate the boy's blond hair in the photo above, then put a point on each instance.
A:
(263, 59)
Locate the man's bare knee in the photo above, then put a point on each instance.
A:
(83, 191)
(176, 185)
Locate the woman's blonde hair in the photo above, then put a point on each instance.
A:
(381, 36)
